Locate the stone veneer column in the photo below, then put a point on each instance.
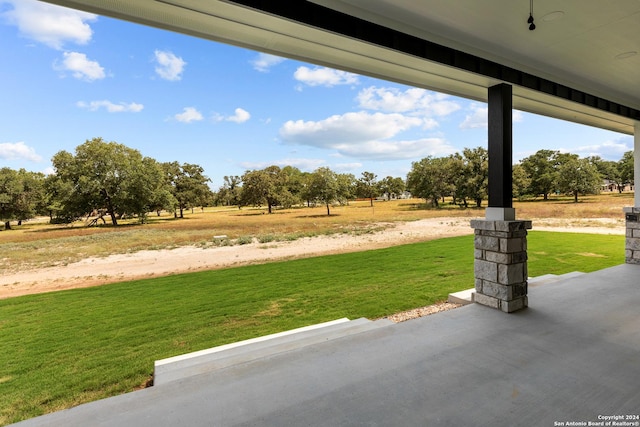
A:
(632, 242)
(501, 263)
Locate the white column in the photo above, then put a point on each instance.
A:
(636, 163)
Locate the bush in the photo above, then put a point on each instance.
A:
(266, 238)
(244, 240)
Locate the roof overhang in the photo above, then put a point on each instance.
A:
(312, 33)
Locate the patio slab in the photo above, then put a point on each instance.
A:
(572, 356)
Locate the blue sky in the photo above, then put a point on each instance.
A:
(68, 76)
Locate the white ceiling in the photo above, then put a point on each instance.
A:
(579, 49)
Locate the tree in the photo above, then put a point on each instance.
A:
(391, 187)
(428, 179)
(231, 190)
(541, 168)
(367, 186)
(109, 176)
(294, 181)
(625, 168)
(521, 182)
(323, 186)
(267, 186)
(21, 195)
(154, 194)
(609, 171)
(578, 176)
(476, 173)
(456, 174)
(346, 187)
(57, 195)
(188, 185)
(305, 188)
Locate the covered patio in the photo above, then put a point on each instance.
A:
(572, 356)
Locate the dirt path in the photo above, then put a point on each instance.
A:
(144, 264)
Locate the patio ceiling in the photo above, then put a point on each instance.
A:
(580, 64)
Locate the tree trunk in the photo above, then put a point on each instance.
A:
(7, 225)
(114, 221)
(545, 196)
(269, 206)
(575, 196)
(371, 200)
(479, 203)
(328, 212)
(107, 200)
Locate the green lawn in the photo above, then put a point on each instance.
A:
(65, 348)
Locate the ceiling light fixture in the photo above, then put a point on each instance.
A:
(532, 26)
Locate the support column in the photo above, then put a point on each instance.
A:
(500, 153)
(500, 264)
(632, 214)
(636, 164)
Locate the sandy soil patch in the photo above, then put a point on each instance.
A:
(144, 264)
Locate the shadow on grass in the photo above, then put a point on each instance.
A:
(318, 216)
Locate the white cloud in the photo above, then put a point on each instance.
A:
(364, 135)
(188, 115)
(240, 116)
(80, 67)
(349, 127)
(395, 150)
(111, 107)
(305, 165)
(411, 100)
(610, 150)
(478, 118)
(17, 151)
(346, 167)
(48, 24)
(322, 76)
(170, 67)
(264, 61)
(517, 117)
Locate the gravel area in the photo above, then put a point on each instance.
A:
(422, 311)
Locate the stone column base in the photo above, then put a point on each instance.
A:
(632, 242)
(500, 265)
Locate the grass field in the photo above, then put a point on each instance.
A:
(61, 349)
(37, 244)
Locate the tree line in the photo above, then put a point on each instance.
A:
(463, 176)
(289, 186)
(109, 180)
(102, 179)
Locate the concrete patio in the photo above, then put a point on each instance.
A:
(572, 356)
